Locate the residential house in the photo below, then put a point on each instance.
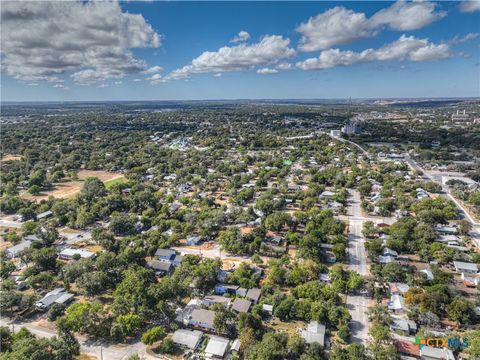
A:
(314, 332)
(202, 318)
(241, 292)
(470, 281)
(216, 347)
(235, 348)
(428, 273)
(184, 315)
(386, 259)
(165, 255)
(193, 240)
(464, 267)
(160, 267)
(267, 308)
(58, 296)
(273, 238)
(397, 288)
(70, 253)
(31, 238)
(327, 194)
(253, 294)
(409, 327)
(221, 289)
(450, 230)
(241, 305)
(16, 250)
(177, 260)
(215, 299)
(187, 338)
(389, 252)
(397, 304)
(457, 247)
(294, 188)
(44, 215)
(432, 353)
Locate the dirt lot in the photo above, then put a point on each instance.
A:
(69, 188)
(11, 157)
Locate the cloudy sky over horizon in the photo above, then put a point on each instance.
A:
(227, 50)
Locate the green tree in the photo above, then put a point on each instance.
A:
(461, 310)
(129, 324)
(153, 335)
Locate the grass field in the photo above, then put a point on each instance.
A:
(112, 182)
(67, 188)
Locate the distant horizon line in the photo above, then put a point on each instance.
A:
(244, 100)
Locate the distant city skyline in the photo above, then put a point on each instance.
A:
(110, 51)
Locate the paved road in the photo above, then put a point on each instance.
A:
(365, 152)
(357, 261)
(109, 351)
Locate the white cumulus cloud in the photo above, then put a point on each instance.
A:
(283, 66)
(470, 6)
(267, 71)
(406, 16)
(458, 39)
(338, 26)
(269, 50)
(333, 27)
(90, 40)
(241, 37)
(155, 79)
(153, 69)
(406, 48)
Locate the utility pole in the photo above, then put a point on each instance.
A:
(101, 352)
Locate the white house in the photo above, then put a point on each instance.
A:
(397, 304)
(69, 253)
(464, 267)
(216, 347)
(187, 338)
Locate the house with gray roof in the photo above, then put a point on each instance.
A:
(187, 338)
(216, 299)
(464, 267)
(16, 250)
(254, 294)
(241, 305)
(202, 318)
(407, 326)
(160, 267)
(314, 332)
(165, 254)
(59, 296)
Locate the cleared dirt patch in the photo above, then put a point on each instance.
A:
(11, 157)
(67, 188)
(84, 356)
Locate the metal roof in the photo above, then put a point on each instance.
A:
(241, 305)
(188, 338)
(217, 346)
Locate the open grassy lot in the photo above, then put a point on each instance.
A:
(67, 188)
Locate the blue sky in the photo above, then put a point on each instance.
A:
(184, 50)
